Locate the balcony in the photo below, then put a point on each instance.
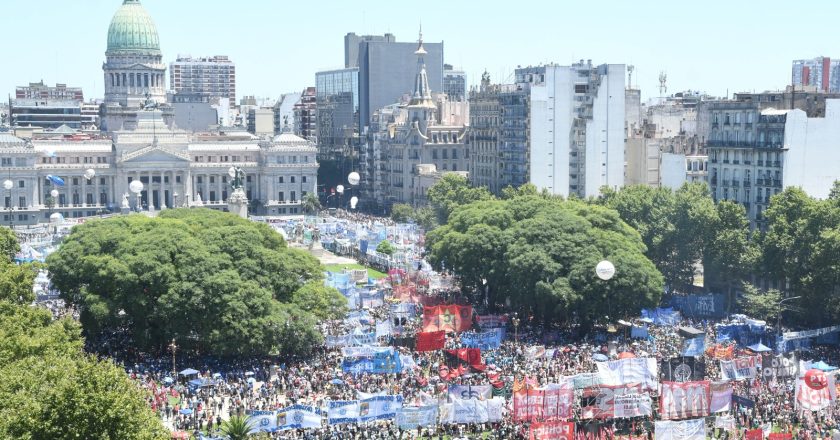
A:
(747, 162)
(713, 180)
(725, 160)
(777, 164)
(759, 182)
(747, 184)
(725, 183)
(713, 160)
(760, 163)
(735, 184)
(758, 199)
(736, 162)
(777, 183)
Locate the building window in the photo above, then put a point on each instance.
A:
(292, 179)
(303, 179)
(281, 197)
(281, 179)
(292, 196)
(21, 184)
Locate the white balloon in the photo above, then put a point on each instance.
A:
(135, 186)
(354, 178)
(8, 184)
(89, 173)
(340, 189)
(605, 270)
(353, 201)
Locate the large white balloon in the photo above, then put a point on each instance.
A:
(354, 178)
(353, 201)
(339, 189)
(89, 173)
(135, 186)
(605, 270)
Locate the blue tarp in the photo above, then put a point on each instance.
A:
(759, 348)
(188, 372)
(662, 316)
(823, 366)
(700, 306)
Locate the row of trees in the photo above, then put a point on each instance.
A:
(214, 282)
(538, 253)
(50, 387)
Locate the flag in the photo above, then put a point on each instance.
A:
(298, 416)
(684, 430)
(480, 392)
(754, 434)
(451, 318)
(468, 356)
(683, 369)
(428, 341)
(411, 418)
(552, 431)
(694, 346)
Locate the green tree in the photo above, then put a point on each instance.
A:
(426, 218)
(237, 428)
(321, 301)
(16, 282)
(214, 282)
(539, 253)
(760, 304)
(9, 245)
(385, 247)
(731, 255)
(310, 203)
(451, 191)
(402, 213)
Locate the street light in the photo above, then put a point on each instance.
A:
(515, 321)
(8, 185)
(175, 199)
(136, 187)
(779, 319)
(174, 348)
(54, 195)
(340, 190)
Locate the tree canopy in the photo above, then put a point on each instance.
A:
(539, 253)
(451, 191)
(211, 280)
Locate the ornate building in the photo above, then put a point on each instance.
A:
(177, 168)
(134, 68)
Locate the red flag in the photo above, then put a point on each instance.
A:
(449, 318)
(552, 431)
(469, 356)
(754, 434)
(780, 436)
(428, 341)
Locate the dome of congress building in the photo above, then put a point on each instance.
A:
(132, 30)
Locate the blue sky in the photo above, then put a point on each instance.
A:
(278, 45)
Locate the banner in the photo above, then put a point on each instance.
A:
(552, 431)
(684, 430)
(480, 392)
(726, 423)
(810, 399)
(779, 366)
(586, 380)
(738, 368)
(490, 321)
(411, 418)
(700, 306)
(754, 434)
(371, 360)
(684, 400)
(780, 436)
(298, 416)
(637, 332)
(477, 411)
(450, 318)
(662, 316)
(383, 328)
(379, 408)
(743, 401)
(718, 351)
(629, 371)
(468, 356)
(558, 401)
(342, 411)
(694, 346)
(632, 405)
(683, 369)
(262, 421)
(600, 402)
(428, 341)
(486, 340)
(721, 397)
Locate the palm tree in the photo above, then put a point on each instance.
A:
(310, 203)
(237, 428)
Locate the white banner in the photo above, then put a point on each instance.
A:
(726, 423)
(262, 421)
(411, 418)
(739, 368)
(472, 411)
(632, 405)
(480, 392)
(298, 416)
(383, 328)
(641, 371)
(721, 397)
(681, 400)
(810, 399)
(342, 411)
(379, 408)
(684, 430)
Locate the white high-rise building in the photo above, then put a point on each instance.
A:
(577, 127)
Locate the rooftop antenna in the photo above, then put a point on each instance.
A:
(663, 87)
(630, 70)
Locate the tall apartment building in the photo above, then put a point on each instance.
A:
(756, 152)
(306, 115)
(208, 77)
(576, 127)
(822, 73)
(337, 102)
(454, 83)
(41, 91)
(351, 46)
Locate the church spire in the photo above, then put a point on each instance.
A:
(422, 91)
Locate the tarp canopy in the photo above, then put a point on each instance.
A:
(823, 366)
(690, 332)
(188, 372)
(759, 348)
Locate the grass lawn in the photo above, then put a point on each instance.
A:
(338, 268)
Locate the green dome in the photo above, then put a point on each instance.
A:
(132, 29)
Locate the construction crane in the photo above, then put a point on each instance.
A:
(663, 88)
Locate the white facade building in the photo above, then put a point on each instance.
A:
(577, 127)
(811, 159)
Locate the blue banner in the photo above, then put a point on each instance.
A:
(298, 416)
(742, 334)
(639, 332)
(355, 411)
(700, 306)
(383, 360)
(662, 316)
(694, 346)
(486, 340)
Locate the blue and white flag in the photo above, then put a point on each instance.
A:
(262, 421)
(403, 310)
(472, 411)
(694, 346)
(480, 392)
(298, 416)
(407, 362)
(343, 411)
(411, 418)
(371, 360)
(486, 340)
(379, 408)
(383, 328)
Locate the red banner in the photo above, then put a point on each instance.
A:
(469, 356)
(602, 402)
(450, 318)
(552, 431)
(720, 352)
(552, 402)
(683, 400)
(430, 341)
(780, 436)
(754, 434)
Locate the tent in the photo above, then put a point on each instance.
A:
(186, 411)
(598, 357)
(188, 372)
(690, 332)
(823, 366)
(759, 348)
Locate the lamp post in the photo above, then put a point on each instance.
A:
(339, 190)
(7, 185)
(173, 348)
(54, 195)
(779, 319)
(605, 270)
(90, 173)
(515, 321)
(136, 187)
(175, 200)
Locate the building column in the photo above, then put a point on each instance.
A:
(96, 199)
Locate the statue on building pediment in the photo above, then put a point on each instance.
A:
(237, 178)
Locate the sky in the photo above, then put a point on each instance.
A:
(714, 46)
